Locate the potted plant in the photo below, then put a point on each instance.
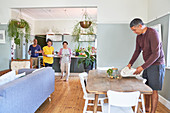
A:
(77, 50)
(18, 29)
(88, 61)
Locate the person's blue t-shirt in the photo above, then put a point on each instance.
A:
(34, 49)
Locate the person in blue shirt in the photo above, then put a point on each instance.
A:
(34, 51)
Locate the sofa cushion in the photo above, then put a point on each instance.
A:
(7, 77)
(39, 69)
(27, 71)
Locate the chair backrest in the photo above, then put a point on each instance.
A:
(104, 68)
(83, 84)
(17, 64)
(84, 74)
(123, 99)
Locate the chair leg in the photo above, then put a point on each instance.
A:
(49, 98)
(143, 104)
(102, 102)
(85, 106)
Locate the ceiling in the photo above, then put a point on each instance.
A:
(57, 13)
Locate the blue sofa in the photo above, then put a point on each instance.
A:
(26, 94)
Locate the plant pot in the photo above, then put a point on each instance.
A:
(77, 54)
(87, 68)
(20, 24)
(85, 24)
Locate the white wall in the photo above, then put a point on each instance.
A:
(157, 8)
(121, 11)
(57, 26)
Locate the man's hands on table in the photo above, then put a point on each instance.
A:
(138, 69)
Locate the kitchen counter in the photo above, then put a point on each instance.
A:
(56, 65)
(56, 56)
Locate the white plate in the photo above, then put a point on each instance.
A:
(50, 55)
(130, 75)
(126, 72)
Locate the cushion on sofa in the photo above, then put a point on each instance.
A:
(27, 71)
(7, 77)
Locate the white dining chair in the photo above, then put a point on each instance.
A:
(141, 98)
(88, 96)
(84, 75)
(104, 68)
(121, 102)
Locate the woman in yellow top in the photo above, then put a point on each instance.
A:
(48, 53)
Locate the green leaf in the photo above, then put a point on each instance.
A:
(81, 56)
(87, 53)
(17, 41)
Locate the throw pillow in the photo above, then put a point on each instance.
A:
(7, 77)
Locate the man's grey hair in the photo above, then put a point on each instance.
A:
(136, 22)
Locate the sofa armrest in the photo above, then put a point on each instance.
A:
(4, 71)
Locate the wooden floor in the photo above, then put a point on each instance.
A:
(68, 98)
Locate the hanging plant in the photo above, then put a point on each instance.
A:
(16, 29)
(78, 30)
(84, 27)
(86, 21)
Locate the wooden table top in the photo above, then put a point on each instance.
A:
(98, 82)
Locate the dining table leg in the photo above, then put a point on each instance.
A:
(95, 103)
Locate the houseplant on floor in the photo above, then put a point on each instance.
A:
(88, 61)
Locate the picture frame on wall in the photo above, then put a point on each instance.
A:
(2, 36)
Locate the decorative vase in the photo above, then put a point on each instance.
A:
(77, 54)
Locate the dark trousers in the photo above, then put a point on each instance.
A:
(48, 65)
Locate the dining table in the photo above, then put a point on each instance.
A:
(99, 82)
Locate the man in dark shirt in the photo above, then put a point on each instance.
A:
(34, 51)
(148, 42)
